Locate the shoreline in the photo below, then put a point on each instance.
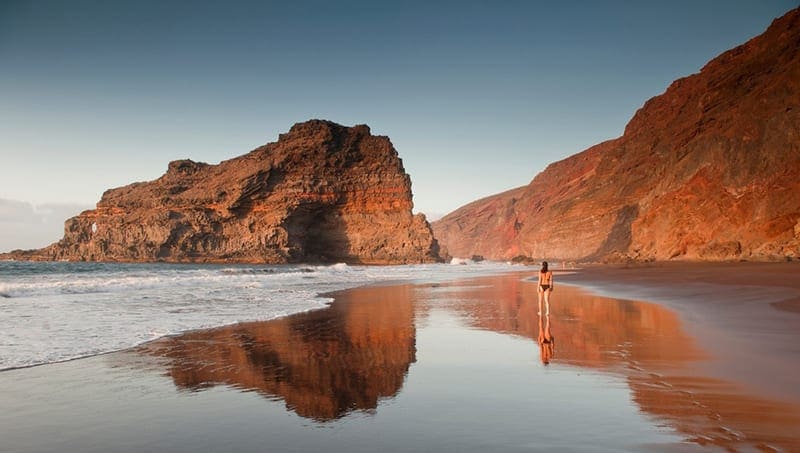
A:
(734, 320)
(79, 290)
(680, 379)
(411, 358)
(650, 286)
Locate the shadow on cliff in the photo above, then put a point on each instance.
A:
(315, 229)
(318, 233)
(618, 241)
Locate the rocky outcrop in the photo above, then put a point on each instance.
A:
(322, 192)
(709, 170)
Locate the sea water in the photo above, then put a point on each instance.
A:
(57, 311)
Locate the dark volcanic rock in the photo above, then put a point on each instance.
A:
(322, 192)
(709, 170)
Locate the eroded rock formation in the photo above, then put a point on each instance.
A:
(322, 192)
(709, 170)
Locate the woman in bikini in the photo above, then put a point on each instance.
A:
(544, 287)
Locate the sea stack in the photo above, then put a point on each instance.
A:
(709, 170)
(322, 193)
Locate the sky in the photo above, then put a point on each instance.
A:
(476, 96)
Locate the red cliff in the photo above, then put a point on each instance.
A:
(709, 170)
(322, 192)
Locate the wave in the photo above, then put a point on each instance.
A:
(53, 312)
(105, 282)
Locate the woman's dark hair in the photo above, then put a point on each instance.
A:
(544, 266)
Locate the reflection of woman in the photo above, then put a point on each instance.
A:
(544, 287)
(546, 341)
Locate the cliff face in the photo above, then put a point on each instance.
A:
(323, 192)
(708, 170)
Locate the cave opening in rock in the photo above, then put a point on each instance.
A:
(317, 233)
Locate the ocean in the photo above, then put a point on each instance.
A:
(57, 311)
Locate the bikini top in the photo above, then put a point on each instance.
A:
(546, 278)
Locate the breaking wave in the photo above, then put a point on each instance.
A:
(52, 312)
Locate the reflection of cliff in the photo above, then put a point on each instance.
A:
(323, 364)
(645, 344)
(591, 330)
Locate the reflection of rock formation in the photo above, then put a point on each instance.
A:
(591, 330)
(323, 364)
(644, 343)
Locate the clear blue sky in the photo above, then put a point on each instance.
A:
(477, 97)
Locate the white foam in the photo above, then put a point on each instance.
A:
(52, 312)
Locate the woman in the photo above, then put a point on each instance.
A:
(545, 287)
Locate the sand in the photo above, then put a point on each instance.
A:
(450, 367)
(746, 315)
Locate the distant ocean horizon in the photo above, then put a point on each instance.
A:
(58, 311)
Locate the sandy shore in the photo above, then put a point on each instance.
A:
(746, 315)
(450, 367)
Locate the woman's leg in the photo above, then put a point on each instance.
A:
(546, 302)
(539, 291)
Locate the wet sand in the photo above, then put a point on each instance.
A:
(745, 315)
(451, 367)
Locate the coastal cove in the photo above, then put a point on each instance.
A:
(400, 227)
(448, 366)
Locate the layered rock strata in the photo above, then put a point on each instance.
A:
(709, 170)
(322, 193)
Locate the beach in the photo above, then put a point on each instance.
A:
(745, 315)
(450, 366)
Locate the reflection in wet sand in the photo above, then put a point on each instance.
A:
(644, 343)
(546, 340)
(324, 364)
